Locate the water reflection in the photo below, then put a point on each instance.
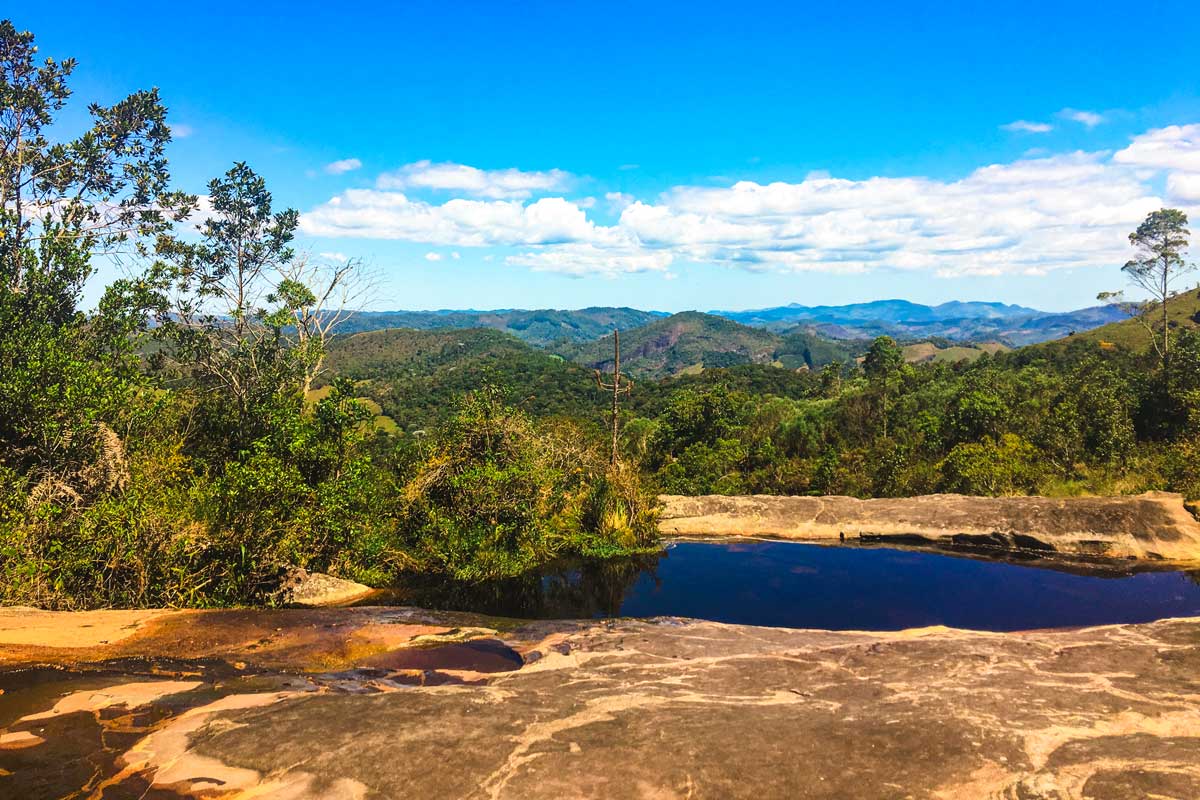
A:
(567, 590)
(810, 586)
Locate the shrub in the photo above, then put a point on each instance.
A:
(1007, 465)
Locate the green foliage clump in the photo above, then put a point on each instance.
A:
(1007, 465)
(495, 496)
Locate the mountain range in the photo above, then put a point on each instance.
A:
(1011, 325)
(959, 321)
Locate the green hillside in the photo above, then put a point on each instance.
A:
(931, 352)
(1129, 335)
(415, 376)
(1183, 312)
(540, 327)
(691, 342)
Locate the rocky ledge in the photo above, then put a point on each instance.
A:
(1154, 526)
(372, 703)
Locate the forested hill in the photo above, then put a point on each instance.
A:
(690, 342)
(687, 342)
(417, 376)
(540, 327)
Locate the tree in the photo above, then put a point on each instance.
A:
(882, 364)
(245, 319)
(1160, 242)
(321, 296)
(212, 316)
(65, 374)
(619, 385)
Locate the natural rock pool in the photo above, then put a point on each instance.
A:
(790, 584)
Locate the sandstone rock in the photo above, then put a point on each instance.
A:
(300, 587)
(1154, 525)
(621, 709)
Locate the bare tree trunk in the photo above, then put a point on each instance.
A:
(1166, 325)
(616, 392)
(618, 387)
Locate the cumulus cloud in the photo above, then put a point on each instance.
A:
(493, 184)
(1025, 217)
(433, 256)
(588, 259)
(1025, 126)
(1184, 187)
(618, 201)
(1176, 147)
(342, 166)
(375, 214)
(1089, 119)
(181, 131)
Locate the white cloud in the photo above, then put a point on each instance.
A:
(342, 166)
(335, 256)
(618, 201)
(433, 256)
(1176, 147)
(375, 214)
(1025, 126)
(1088, 119)
(1184, 187)
(1026, 217)
(588, 259)
(181, 131)
(493, 184)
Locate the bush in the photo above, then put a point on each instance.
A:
(1003, 466)
(495, 497)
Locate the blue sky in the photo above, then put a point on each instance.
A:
(679, 155)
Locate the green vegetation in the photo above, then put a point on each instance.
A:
(202, 428)
(414, 376)
(691, 341)
(1131, 335)
(542, 327)
(173, 447)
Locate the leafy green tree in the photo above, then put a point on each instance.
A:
(977, 410)
(882, 365)
(66, 375)
(1003, 466)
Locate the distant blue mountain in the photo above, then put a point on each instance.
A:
(898, 311)
(956, 320)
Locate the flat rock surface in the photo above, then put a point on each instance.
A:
(1154, 525)
(399, 703)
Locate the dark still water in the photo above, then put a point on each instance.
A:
(811, 586)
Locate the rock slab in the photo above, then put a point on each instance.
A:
(1154, 525)
(620, 709)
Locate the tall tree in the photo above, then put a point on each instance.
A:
(619, 385)
(64, 203)
(1160, 243)
(882, 364)
(246, 321)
